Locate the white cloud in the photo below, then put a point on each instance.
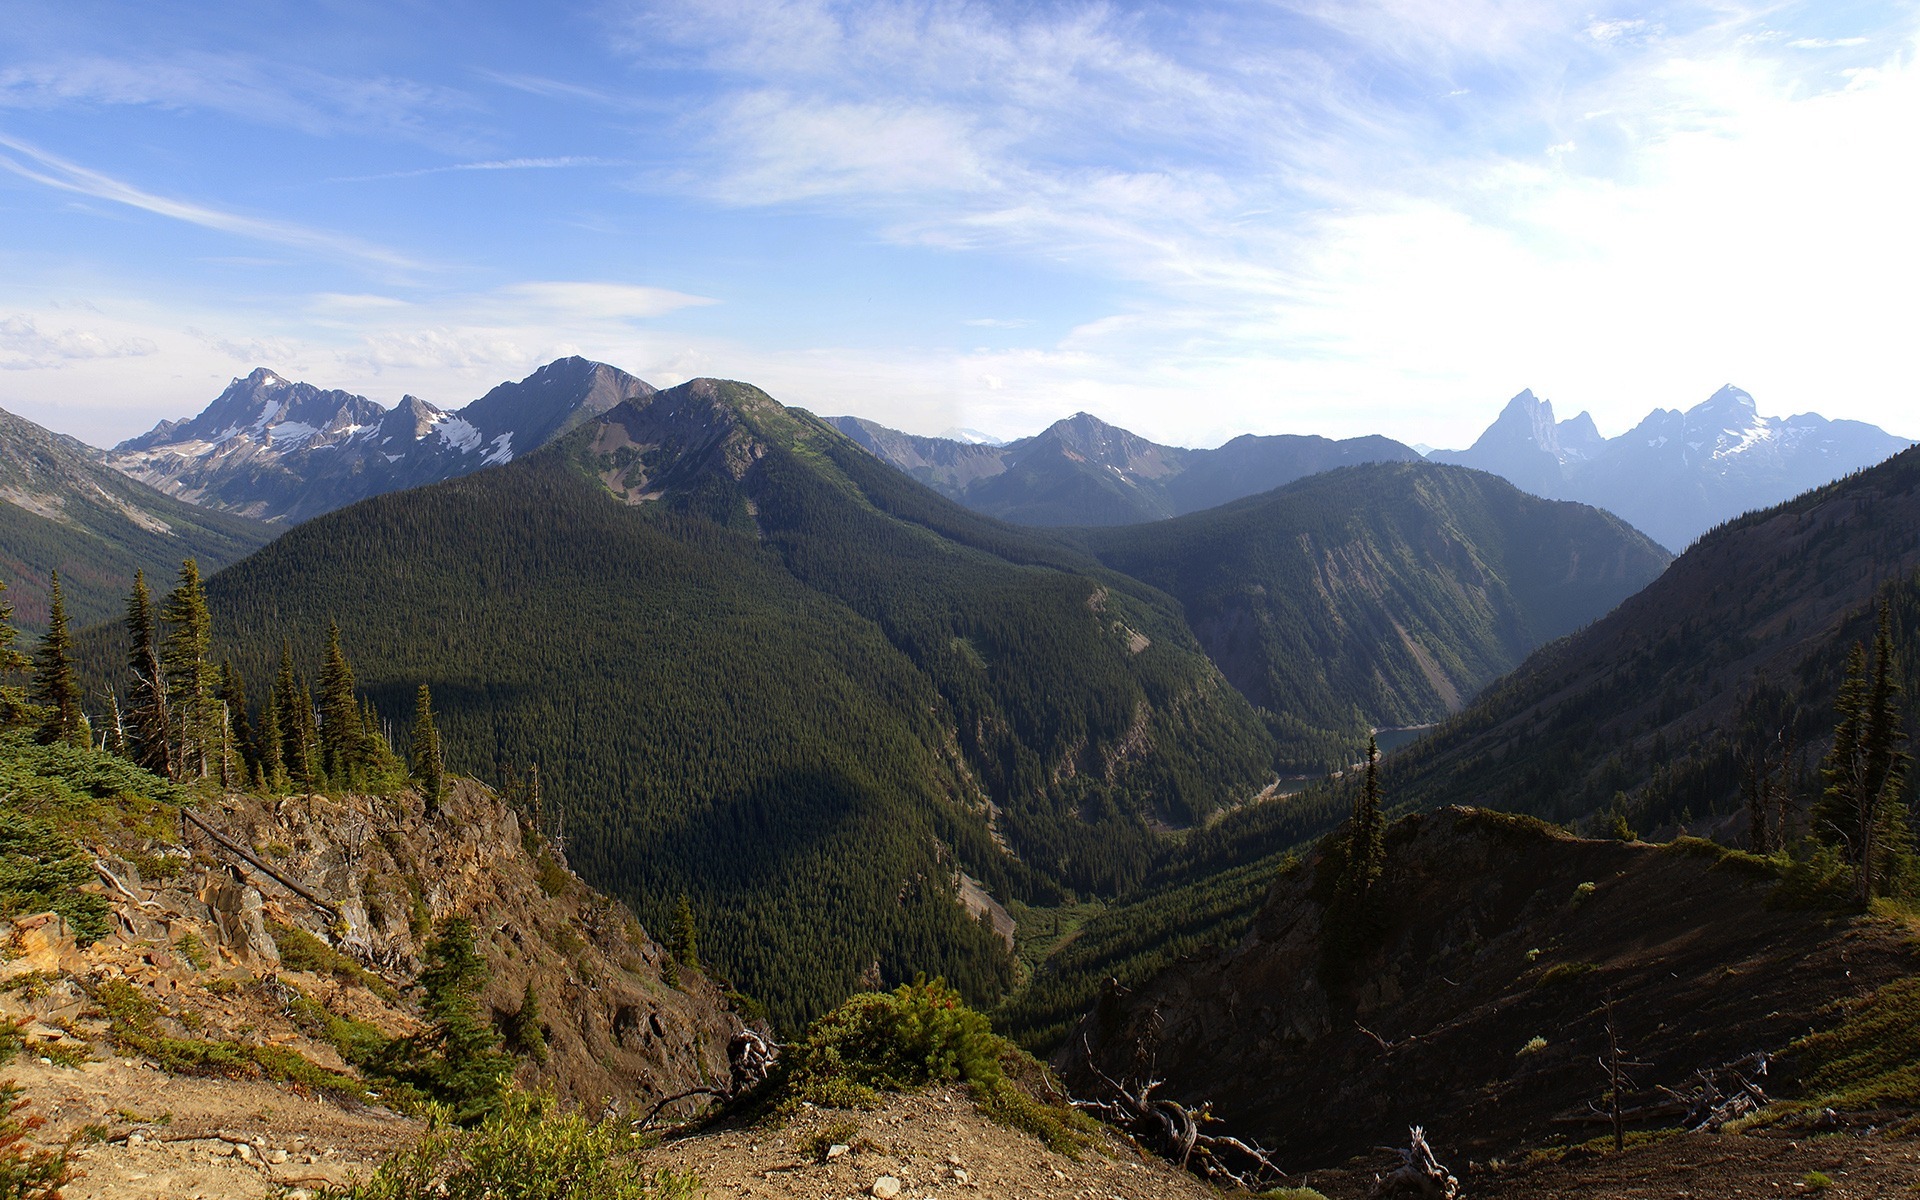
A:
(25, 347)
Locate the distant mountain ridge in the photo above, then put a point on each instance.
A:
(61, 510)
(282, 451)
(1082, 471)
(1676, 474)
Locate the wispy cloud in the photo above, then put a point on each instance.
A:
(497, 164)
(32, 163)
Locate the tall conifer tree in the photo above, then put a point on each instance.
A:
(190, 679)
(425, 760)
(342, 728)
(13, 698)
(232, 692)
(148, 728)
(54, 687)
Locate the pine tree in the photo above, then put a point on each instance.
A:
(273, 770)
(1366, 838)
(232, 691)
(525, 1034)
(470, 1072)
(424, 758)
(342, 728)
(189, 678)
(1864, 811)
(150, 732)
(13, 699)
(293, 715)
(54, 687)
(1836, 815)
(686, 938)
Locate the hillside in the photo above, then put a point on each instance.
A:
(184, 1000)
(1472, 1001)
(282, 451)
(1082, 471)
(757, 667)
(1676, 474)
(1743, 637)
(61, 510)
(1380, 595)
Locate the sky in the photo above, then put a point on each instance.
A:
(1194, 220)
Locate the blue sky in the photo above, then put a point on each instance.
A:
(1331, 216)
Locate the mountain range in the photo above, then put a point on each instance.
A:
(1676, 474)
(759, 667)
(1083, 471)
(283, 452)
(66, 512)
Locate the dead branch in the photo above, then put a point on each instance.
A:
(1178, 1133)
(1419, 1173)
(751, 1057)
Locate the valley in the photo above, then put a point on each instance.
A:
(771, 695)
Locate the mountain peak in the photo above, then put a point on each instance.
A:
(1729, 399)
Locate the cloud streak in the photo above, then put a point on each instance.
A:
(49, 170)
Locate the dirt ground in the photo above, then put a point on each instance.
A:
(165, 1137)
(932, 1144)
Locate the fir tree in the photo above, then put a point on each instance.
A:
(232, 691)
(273, 770)
(342, 728)
(1366, 837)
(13, 699)
(468, 1071)
(1864, 811)
(189, 678)
(150, 733)
(424, 758)
(54, 686)
(686, 938)
(525, 1034)
(293, 715)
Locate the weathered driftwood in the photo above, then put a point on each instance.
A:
(751, 1057)
(1178, 1133)
(1419, 1173)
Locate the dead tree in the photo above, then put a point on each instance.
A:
(1178, 1133)
(751, 1058)
(1419, 1173)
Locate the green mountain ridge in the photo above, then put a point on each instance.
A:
(63, 511)
(759, 667)
(1380, 595)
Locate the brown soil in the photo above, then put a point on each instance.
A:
(932, 1142)
(173, 1137)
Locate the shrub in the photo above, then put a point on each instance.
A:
(26, 1172)
(923, 1033)
(524, 1150)
(302, 951)
(1534, 1045)
(1563, 972)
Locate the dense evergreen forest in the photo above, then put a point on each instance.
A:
(805, 696)
(1383, 594)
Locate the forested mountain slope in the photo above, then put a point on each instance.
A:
(1380, 595)
(62, 511)
(758, 667)
(1743, 638)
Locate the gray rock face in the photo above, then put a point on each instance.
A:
(283, 452)
(239, 915)
(1676, 474)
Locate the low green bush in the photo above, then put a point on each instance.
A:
(919, 1034)
(524, 1150)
